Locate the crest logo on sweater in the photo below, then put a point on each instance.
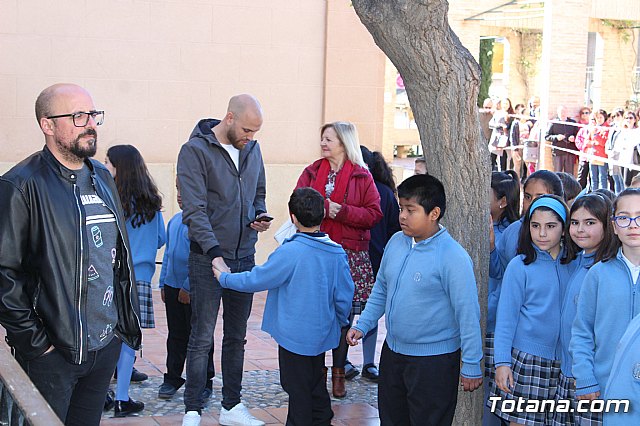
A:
(636, 371)
(417, 277)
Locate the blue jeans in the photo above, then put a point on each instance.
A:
(206, 294)
(618, 183)
(599, 176)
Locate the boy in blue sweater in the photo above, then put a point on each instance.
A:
(309, 283)
(174, 286)
(426, 289)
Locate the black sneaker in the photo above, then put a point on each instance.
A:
(125, 408)
(370, 371)
(350, 372)
(137, 376)
(166, 391)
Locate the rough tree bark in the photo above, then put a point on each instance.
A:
(442, 80)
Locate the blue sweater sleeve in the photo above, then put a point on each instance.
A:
(507, 246)
(496, 269)
(343, 294)
(377, 301)
(165, 260)
(162, 235)
(459, 283)
(582, 345)
(511, 300)
(275, 272)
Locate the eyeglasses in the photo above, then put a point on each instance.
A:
(625, 221)
(585, 112)
(81, 119)
(631, 117)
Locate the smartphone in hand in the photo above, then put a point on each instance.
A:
(261, 219)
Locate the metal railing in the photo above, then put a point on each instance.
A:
(20, 402)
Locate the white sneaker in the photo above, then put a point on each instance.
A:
(238, 416)
(192, 418)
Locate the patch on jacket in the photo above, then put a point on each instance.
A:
(417, 277)
(636, 371)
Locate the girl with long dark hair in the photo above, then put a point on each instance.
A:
(141, 203)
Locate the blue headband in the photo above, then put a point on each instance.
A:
(551, 203)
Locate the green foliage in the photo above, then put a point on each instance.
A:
(624, 28)
(486, 55)
(530, 51)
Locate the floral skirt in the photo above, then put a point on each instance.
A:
(363, 278)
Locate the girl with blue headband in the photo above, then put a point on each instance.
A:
(528, 316)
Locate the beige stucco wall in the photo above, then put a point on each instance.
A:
(156, 67)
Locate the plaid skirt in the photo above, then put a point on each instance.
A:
(535, 378)
(489, 350)
(363, 278)
(145, 299)
(566, 390)
(588, 419)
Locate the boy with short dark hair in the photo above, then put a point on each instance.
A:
(309, 300)
(426, 289)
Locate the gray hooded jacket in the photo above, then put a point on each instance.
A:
(219, 200)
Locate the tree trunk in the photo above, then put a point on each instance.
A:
(442, 80)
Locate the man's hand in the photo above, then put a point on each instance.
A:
(183, 297)
(572, 138)
(353, 336)
(469, 385)
(260, 226)
(334, 208)
(590, 396)
(218, 266)
(560, 137)
(504, 378)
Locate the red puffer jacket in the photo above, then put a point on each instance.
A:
(360, 211)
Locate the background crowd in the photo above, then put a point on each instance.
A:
(599, 148)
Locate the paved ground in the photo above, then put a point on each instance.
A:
(262, 393)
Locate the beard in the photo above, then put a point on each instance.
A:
(75, 150)
(232, 137)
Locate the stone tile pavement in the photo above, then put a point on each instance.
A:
(262, 393)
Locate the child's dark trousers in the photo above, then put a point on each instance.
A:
(418, 390)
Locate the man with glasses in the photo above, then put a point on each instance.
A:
(65, 268)
(223, 189)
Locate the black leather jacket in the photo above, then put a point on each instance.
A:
(43, 273)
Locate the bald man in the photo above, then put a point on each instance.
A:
(65, 265)
(222, 184)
